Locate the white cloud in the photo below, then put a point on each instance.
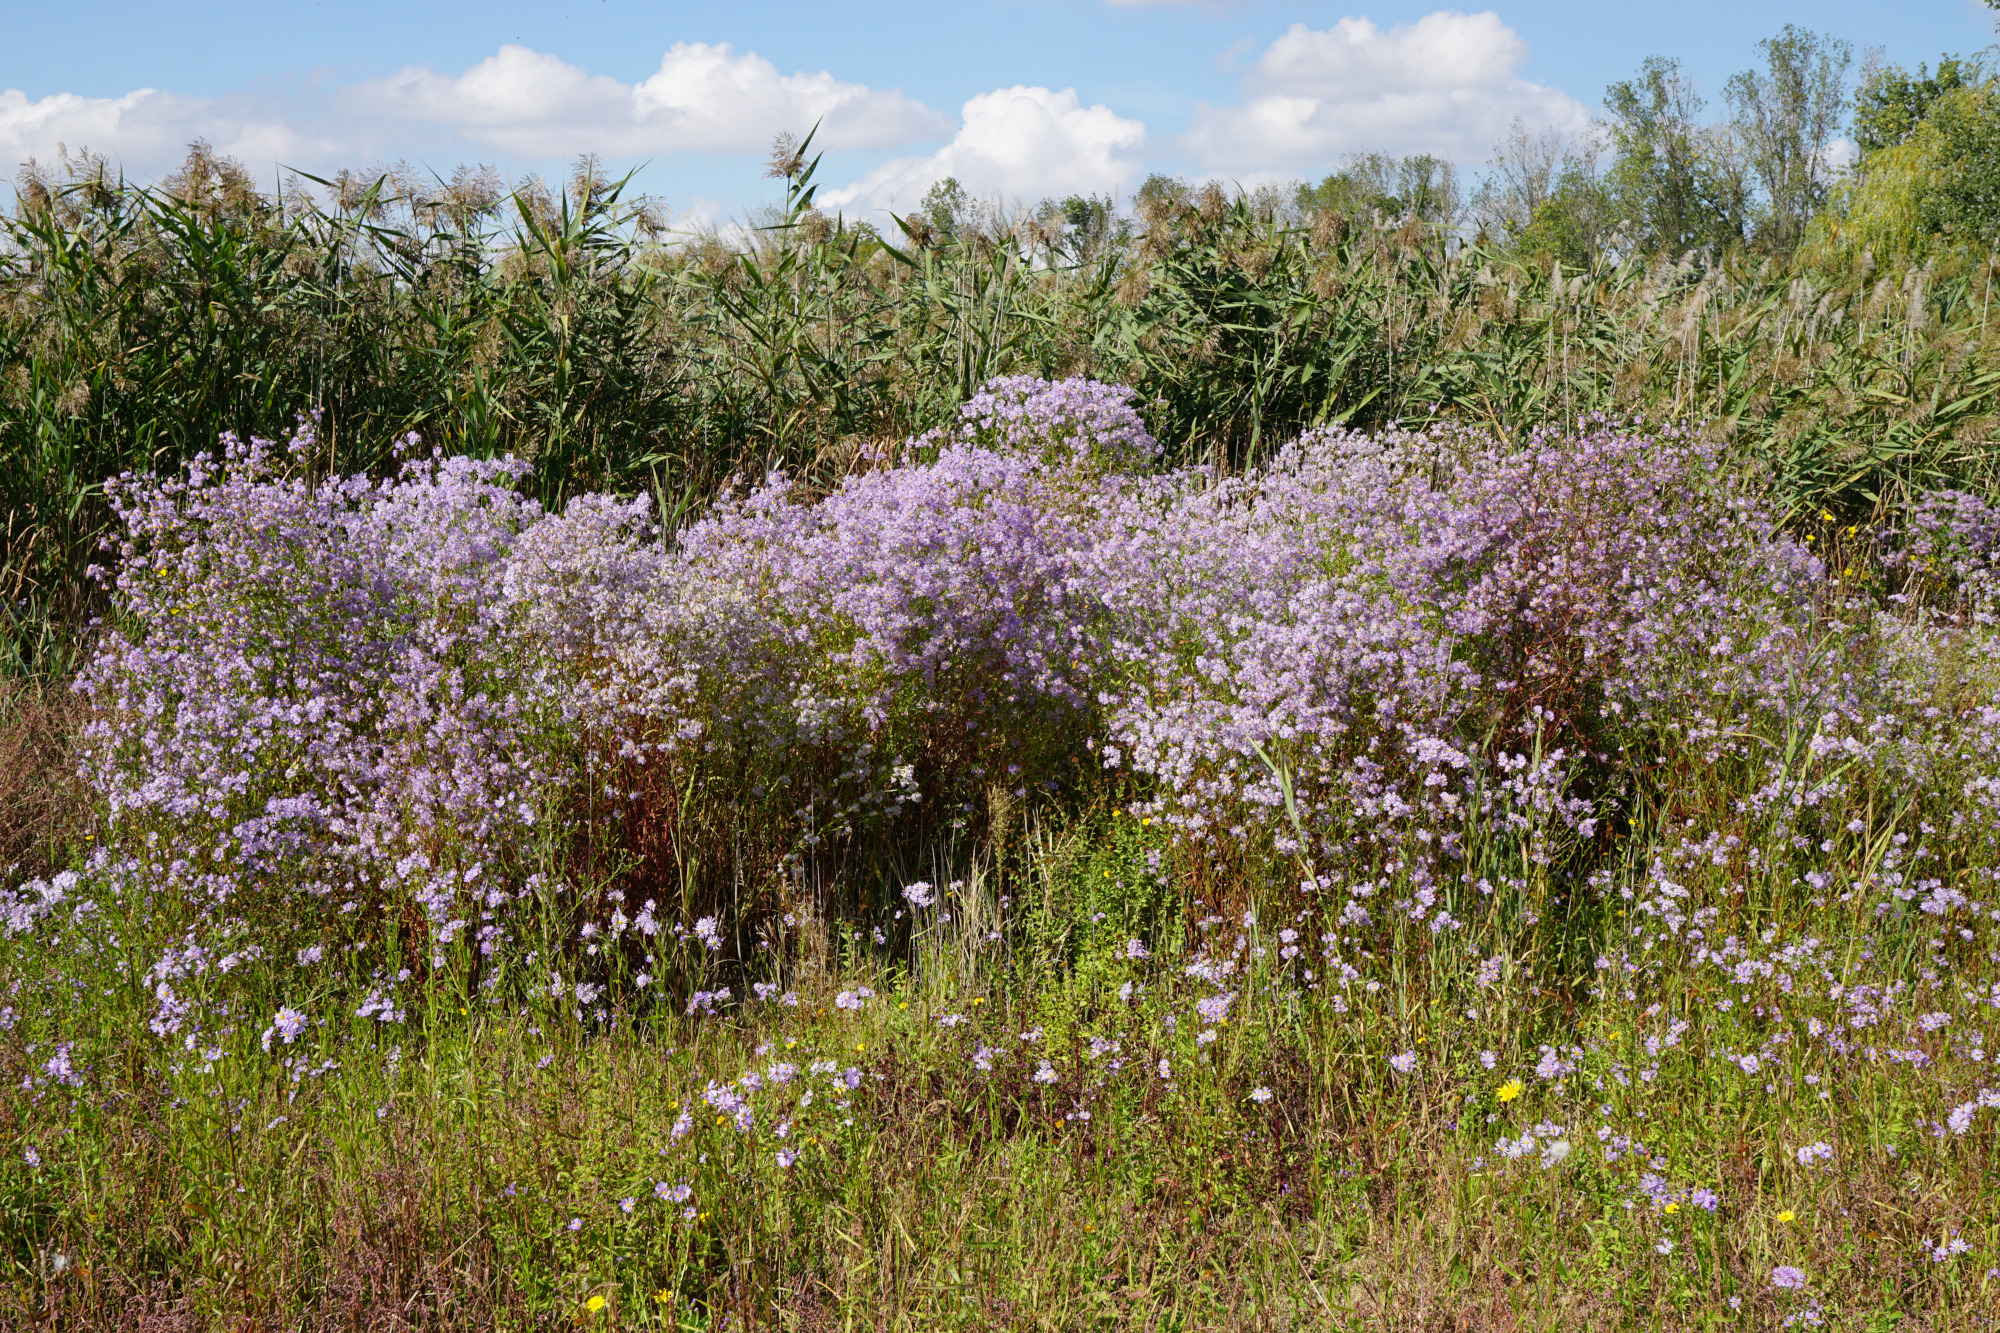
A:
(1016, 143)
(1448, 84)
(703, 98)
(146, 132)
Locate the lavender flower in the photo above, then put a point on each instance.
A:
(288, 1024)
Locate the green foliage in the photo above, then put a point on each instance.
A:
(946, 207)
(1417, 186)
(1571, 225)
(1890, 106)
(1785, 117)
(1081, 229)
(1962, 202)
(1676, 186)
(1931, 188)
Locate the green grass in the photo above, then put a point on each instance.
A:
(465, 1168)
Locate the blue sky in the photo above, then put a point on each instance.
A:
(1022, 100)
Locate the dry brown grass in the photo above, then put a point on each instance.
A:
(41, 799)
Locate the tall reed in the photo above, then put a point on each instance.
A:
(137, 325)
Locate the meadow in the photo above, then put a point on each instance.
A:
(1257, 761)
(1421, 880)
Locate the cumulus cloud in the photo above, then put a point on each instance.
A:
(1448, 84)
(146, 132)
(703, 98)
(1016, 143)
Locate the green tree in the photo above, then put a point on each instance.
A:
(1161, 198)
(946, 207)
(1543, 197)
(1674, 183)
(1962, 202)
(1786, 115)
(1929, 178)
(1573, 223)
(1419, 186)
(1893, 102)
(1080, 227)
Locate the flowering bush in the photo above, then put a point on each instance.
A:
(357, 708)
(1393, 638)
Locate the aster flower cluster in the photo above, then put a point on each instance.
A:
(328, 705)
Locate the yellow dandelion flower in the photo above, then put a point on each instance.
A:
(1671, 1209)
(1787, 1215)
(594, 1304)
(663, 1296)
(1509, 1090)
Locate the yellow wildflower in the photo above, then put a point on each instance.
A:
(1787, 1215)
(594, 1304)
(1509, 1090)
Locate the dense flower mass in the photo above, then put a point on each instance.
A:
(354, 694)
